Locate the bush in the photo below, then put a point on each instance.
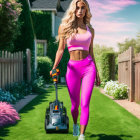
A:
(37, 83)
(7, 96)
(108, 66)
(102, 84)
(118, 91)
(20, 89)
(43, 67)
(8, 114)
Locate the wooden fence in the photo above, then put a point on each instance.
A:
(129, 73)
(137, 77)
(11, 68)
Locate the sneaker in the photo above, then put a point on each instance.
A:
(81, 137)
(75, 130)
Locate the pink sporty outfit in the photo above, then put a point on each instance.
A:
(80, 71)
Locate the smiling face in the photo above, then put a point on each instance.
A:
(80, 9)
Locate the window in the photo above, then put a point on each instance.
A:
(41, 47)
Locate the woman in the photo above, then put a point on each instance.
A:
(76, 31)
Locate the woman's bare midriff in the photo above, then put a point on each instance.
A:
(78, 54)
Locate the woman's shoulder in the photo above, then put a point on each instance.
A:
(61, 29)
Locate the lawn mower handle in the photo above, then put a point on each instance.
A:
(54, 75)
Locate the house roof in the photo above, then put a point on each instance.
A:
(50, 5)
(65, 4)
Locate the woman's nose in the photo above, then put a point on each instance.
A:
(80, 10)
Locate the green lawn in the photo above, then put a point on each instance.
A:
(108, 120)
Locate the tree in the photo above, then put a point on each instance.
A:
(124, 46)
(9, 24)
(138, 43)
(135, 43)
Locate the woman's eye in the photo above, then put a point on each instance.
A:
(83, 7)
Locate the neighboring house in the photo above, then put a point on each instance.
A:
(57, 9)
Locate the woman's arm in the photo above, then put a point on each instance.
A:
(91, 48)
(61, 48)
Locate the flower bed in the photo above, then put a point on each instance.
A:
(117, 90)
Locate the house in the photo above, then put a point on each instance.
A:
(57, 9)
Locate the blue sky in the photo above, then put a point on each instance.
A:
(114, 20)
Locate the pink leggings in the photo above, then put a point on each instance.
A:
(78, 70)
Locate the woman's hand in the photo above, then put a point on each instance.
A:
(51, 73)
(98, 82)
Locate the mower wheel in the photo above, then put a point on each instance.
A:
(47, 118)
(67, 123)
(64, 111)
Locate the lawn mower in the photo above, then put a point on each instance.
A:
(56, 119)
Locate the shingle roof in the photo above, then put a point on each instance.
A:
(43, 4)
(50, 4)
(65, 4)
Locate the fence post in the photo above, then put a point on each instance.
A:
(28, 54)
(131, 93)
(3, 67)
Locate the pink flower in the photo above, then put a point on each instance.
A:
(7, 3)
(8, 114)
(0, 5)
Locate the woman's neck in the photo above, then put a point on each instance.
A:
(80, 22)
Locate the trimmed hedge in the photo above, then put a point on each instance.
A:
(108, 66)
(43, 67)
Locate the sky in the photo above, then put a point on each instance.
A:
(114, 21)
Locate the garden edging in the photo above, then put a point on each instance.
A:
(21, 103)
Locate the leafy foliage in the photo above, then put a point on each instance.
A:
(10, 11)
(44, 66)
(108, 66)
(135, 43)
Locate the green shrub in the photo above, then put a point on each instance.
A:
(37, 83)
(6, 96)
(102, 84)
(108, 66)
(20, 89)
(44, 65)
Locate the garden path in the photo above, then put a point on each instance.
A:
(132, 107)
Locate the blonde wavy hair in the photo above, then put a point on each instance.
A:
(69, 20)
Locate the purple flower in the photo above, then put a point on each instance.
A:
(8, 4)
(8, 114)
